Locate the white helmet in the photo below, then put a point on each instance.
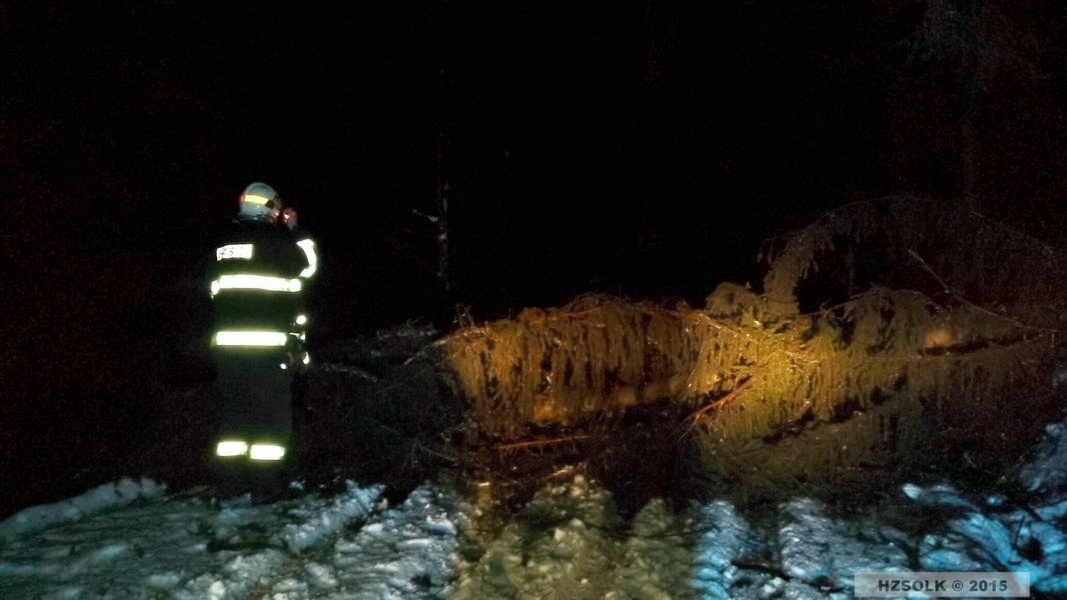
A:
(259, 202)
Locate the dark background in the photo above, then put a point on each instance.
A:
(641, 149)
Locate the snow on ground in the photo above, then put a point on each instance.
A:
(137, 539)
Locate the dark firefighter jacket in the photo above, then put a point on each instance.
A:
(258, 283)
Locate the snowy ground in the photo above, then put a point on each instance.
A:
(137, 539)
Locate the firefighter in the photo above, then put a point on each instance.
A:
(261, 270)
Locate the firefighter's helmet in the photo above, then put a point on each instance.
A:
(259, 202)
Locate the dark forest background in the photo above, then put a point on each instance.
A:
(643, 149)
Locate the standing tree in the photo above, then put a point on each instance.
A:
(968, 101)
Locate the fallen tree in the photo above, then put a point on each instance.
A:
(890, 338)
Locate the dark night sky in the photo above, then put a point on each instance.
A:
(625, 148)
(643, 149)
